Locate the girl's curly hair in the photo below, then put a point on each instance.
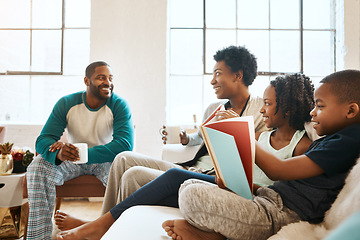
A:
(239, 58)
(294, 95)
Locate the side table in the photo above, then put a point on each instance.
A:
(13, 208)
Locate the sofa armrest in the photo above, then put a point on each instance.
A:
(178, 153)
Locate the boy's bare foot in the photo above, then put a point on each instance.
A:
(93, 230)
(67, 222)
(181, 230)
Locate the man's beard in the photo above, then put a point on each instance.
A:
(96, 91)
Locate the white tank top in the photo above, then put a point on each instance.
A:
(260, 177)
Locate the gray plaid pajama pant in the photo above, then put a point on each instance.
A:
(42, 177)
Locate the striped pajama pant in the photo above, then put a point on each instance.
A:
(42, 177)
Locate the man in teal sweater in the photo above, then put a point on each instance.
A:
(97, 117)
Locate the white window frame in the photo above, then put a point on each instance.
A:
(261, 73)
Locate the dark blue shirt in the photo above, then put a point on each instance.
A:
(310, 198)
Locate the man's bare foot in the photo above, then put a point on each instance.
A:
(181, 230)
(67, 222)
(93, 230)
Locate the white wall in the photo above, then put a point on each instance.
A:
(131, 36)
(352, 34)
(22, 135)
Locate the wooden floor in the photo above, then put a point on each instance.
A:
(80, 208)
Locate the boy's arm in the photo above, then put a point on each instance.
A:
(298, 167)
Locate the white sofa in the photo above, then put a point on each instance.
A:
(172, 150)
(150, 218)
(177, 153)
(144, 222)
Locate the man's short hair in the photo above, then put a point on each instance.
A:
(345, 85)
(239, 58)
(90, 69)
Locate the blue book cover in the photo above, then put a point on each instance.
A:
(229, 164)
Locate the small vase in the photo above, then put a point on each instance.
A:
(6, 164)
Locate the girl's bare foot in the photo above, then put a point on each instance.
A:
(79, 233)
(90, 231)
(181, 230)
(67, 222)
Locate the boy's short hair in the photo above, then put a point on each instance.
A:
(345, 85)
(239, 58)
(90, 69)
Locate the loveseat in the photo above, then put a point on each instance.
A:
(342, 219)
(344, 215)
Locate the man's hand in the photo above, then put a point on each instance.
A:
(184, 138)
(56, 146)
(67, 151)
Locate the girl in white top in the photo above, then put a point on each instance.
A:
(260, 177)
(288, 101)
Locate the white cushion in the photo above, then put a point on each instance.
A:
(142, 222)
(178, 153)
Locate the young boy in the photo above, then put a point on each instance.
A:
(308, 183)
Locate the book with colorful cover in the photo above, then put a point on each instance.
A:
(231, 145)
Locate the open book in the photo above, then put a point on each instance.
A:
(231, 145)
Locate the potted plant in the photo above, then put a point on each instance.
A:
(22, 158)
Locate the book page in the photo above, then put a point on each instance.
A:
(229, 163)
(242, 128)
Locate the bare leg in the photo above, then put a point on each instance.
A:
(181, 230)
(67, 222)
(91, 231)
